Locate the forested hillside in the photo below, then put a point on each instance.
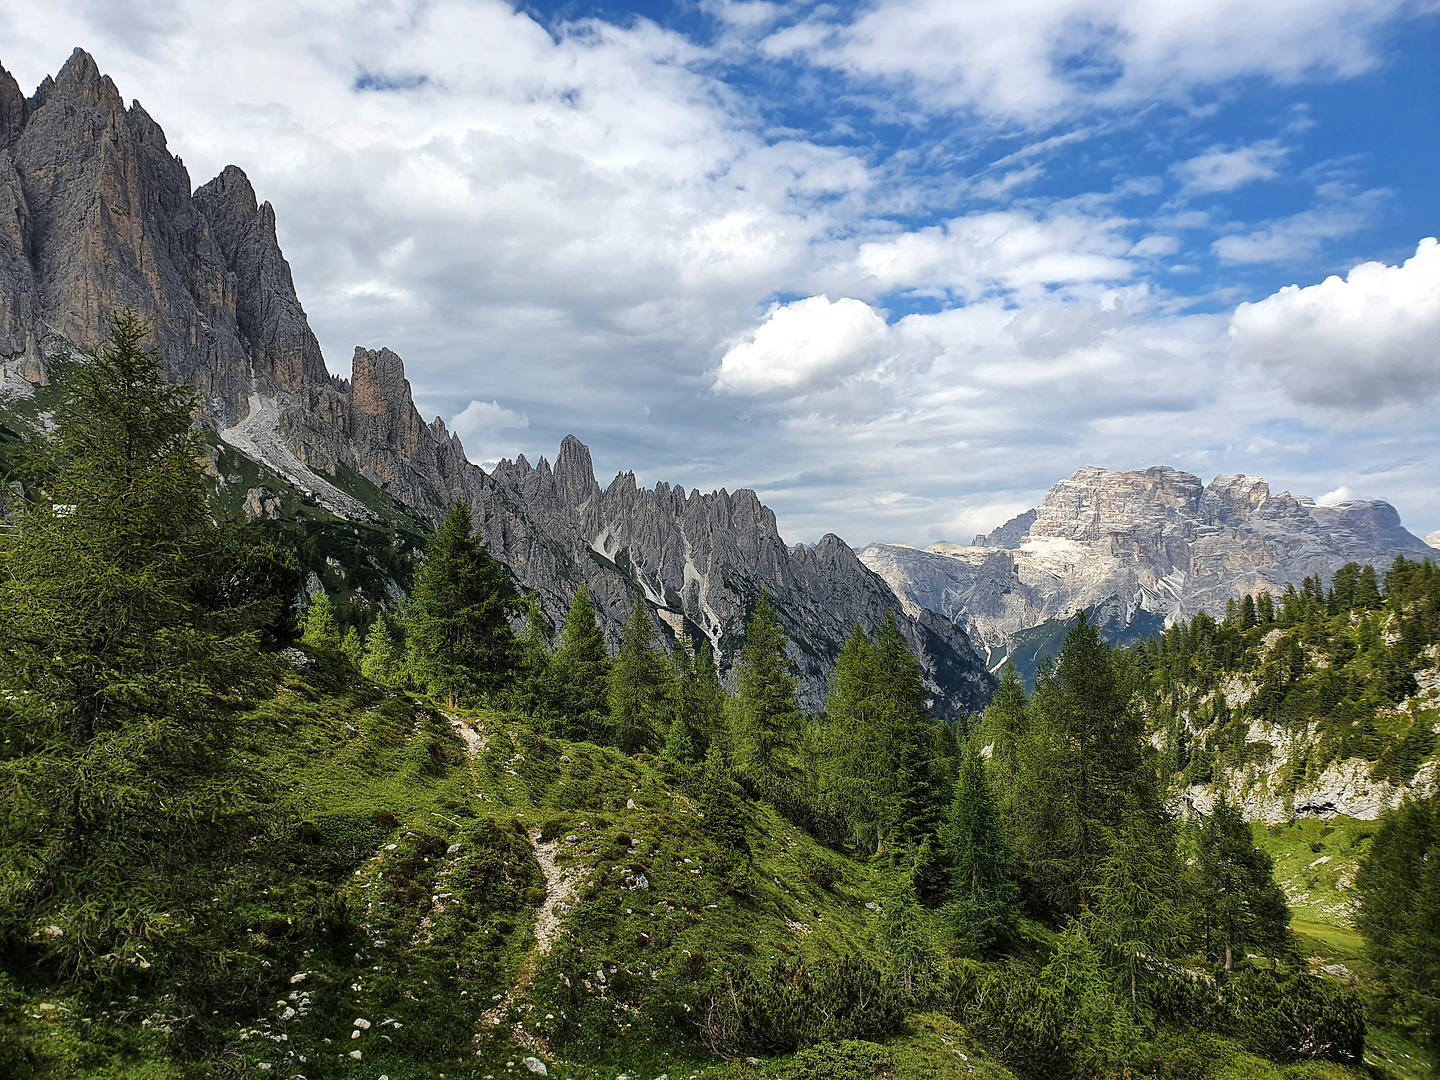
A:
(236, 842)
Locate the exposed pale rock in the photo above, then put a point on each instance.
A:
(1155, 540)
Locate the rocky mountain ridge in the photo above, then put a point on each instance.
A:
(1155, 541)
(96, 214)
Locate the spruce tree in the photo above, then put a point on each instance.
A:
(983, 894)
(722, 804)
(1240, 903)
(699, 704)
(1081, 764)
(581, 671)
(641, 686)
(1005, 728)
(771, 722)
(130, 626)
(460, 647)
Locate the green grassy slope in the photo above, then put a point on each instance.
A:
(405, 865)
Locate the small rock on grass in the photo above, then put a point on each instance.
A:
(536, 1066)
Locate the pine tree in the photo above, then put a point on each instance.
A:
(641, 686)
(581, 671)
(457, 622)
(379, 660)
(533, 690)
(1139, 911)
(983, 893)
(129, 633)
(912, 743)
(771, 722)
(1241, 905)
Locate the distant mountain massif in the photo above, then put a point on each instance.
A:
(1137, 550)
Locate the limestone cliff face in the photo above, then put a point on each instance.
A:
(96, 214)
(1156, 540)
(701, 560)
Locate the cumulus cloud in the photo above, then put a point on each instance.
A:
(1226, 170)
(804, 343)
(480, 425)
(1369, 339)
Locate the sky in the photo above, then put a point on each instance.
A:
(897, 265)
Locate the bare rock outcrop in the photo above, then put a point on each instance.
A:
(1154, 540)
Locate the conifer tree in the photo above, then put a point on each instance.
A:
(320, 630)
(457, 622)
(379, 660)
(1241, 905)
(129, 633)
(1248, 618)
(581, 671)
(1399, 888)
(1005, 728)
(533, 689)
(699, 704)
(983, 894)
(353, 647)
(1081, 765)
(1139, 911)
(771, 722)
(641, 686)
(722, 804)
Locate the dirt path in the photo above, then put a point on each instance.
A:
(562, 885)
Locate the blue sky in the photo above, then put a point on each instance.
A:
(898, 265)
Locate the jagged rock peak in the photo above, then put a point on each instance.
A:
(14, 109)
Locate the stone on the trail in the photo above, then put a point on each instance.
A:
(536, 1066)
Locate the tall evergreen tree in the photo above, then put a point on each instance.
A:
(641, 686)
(1399, 887)
(1139, 910)
(983, 894)
(581, 670)
(129, 633)
(1241, 905)
(699, 704)
(1081, 765)
(1005, 728)
(722, 804)
(457, 622)
(771, 721)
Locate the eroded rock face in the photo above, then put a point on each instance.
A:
(701, 560)
(1156, 539)
(96, 214)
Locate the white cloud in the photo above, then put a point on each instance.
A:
(1301, 235)
(1341, 494)
(1369, 339)
(803, 343)
(1033, 61)
(1226, 170)
(479, 426)
(1006, 250)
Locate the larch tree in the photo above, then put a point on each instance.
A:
(580, 667)
(1241, 904)
(983, 894)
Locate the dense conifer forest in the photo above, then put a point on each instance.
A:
(239, 838)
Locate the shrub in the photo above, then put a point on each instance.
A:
(774, 1009)
(850, 1059)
